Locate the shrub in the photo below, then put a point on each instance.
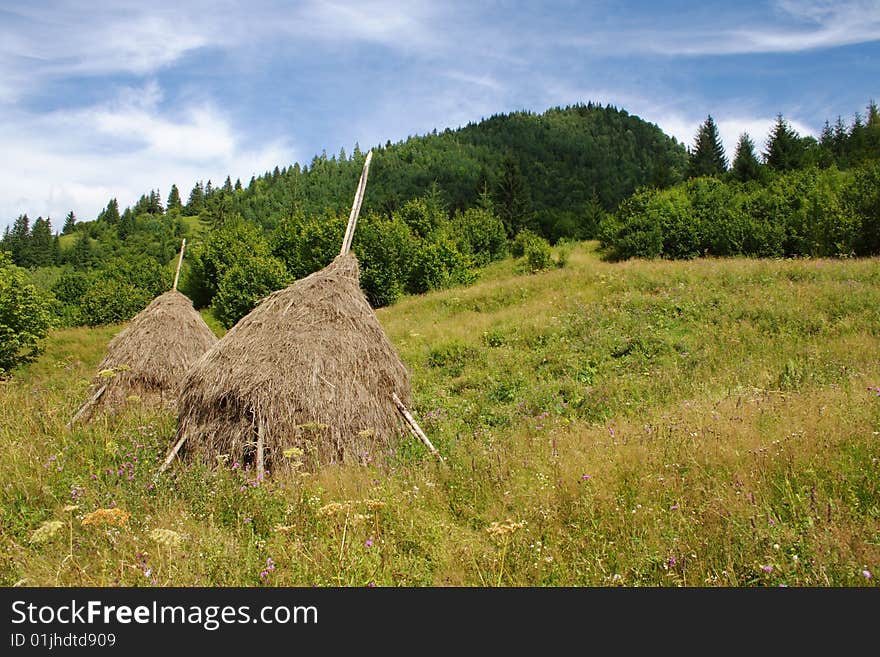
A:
(439, 264)
(244, 284)
(108, 301)
(24, 317)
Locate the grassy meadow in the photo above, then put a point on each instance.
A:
(649, 423)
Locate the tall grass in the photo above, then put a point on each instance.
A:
(704, 423)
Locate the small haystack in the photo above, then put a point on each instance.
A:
(307, 378)
(310, 369)
(149, 358)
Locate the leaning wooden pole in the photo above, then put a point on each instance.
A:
(179, 262)
(261, 441)
(356, 206)
(414, 427)
(87, 405)
(171, 454)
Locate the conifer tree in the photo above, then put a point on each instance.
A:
(785, 150)
(41, 243)
(69, 223)
(707, 157)
(173, 202)
(746, 165)
(513, 202)
(110, 214)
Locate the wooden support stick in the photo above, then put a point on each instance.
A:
(171, 454)
(356, 206)
(89, 403)
(179, 262)
(261, 464)
(414, 427)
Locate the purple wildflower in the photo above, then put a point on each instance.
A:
(867, 574)
(767, 569)
(369, 542)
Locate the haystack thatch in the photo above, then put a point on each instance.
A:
(149, 358)
(310, 367)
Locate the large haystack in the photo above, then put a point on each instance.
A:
(310, 368)
(149, 358)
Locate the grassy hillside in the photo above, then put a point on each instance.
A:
(701, 423)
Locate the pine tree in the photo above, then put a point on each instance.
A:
(513, 202)
(227, 185)
(707, 158)
(82, 256)
(785, 150)
(69, 223)
(110, 214)
(173, 202)
(237, 186)
(41, 242)
(745, 163)
(196, 202)
(20, 241)
(127, 223)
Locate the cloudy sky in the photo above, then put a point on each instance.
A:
(113, 99)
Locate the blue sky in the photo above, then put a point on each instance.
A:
(112, 99)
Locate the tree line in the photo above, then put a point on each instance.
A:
(801, 196)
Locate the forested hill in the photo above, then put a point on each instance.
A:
(437, 208)
(556, 171)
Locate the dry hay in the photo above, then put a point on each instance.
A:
(312, 366)
(147, 360)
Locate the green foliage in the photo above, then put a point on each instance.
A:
(808, 212)
(226, 245)
(707, 158)
(534, 250)
(746, 165)
(785, 150)
(244, 284)
(24, 317)
(306, 244)
(439, 263)
(482, 235)
(631, 232)
(385, 249)
(109, 300)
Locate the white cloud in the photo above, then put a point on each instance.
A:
(684, 128)
(795, 27)
(51, 163)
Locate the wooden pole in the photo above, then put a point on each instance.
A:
(171, 454)
(414, 427)
(356, 206)
(179, 262)
(91, 401)
(261, 463)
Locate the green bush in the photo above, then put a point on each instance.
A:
(232, 242)
(108, 301)
(307, 244)
(438, 264)
(481, 234)
(24, 316)
(385, 250)
(244, 284)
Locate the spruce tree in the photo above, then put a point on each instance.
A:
(41, 242)
(20, 241)
(785, 150)
(110, 214)
(173, 202)
(746, 165)
(707, 158)
(513, 202)
(69, 223)
(196, 202)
